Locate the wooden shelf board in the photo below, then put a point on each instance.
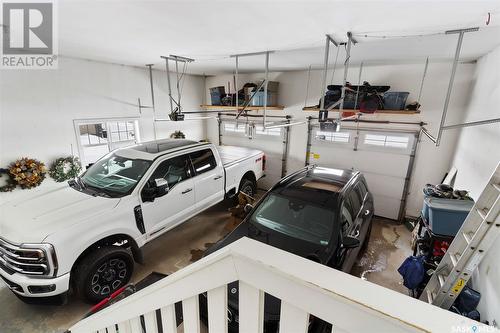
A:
(249, 108)
(316, 109)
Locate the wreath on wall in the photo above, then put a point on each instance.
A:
(65, 168)
(27, 172)
(9, 183)
(177, 135)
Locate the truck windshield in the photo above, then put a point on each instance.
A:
(295, 218)
(114, 175)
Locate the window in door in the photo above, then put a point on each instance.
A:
(174, 170)
(259, 130)
(96, 139)
(337, 137)
(231, 128)
(355, 200)
(346, 218)
(391, 141)
(203, 161)
(362, 190)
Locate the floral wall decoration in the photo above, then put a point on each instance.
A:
(65, 168)
(27, 172)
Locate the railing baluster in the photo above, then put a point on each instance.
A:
(251, 309)
(150, 321)
(217, 309)
(135, 325)
(124, 327)
(111, 329)
(293, 319)
(191, 314)
(168, 319)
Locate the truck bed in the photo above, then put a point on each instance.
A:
(231, 154)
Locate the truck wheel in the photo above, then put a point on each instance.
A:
(102, 272)
(248, 187)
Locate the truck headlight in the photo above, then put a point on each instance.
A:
(30, 259)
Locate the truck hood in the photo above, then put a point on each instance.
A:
(31, 218)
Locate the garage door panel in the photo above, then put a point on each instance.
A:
(379, 163)
(382, 163)
(385, 185)
(386, 207)
(273, 170)
(272, 146)
(383, 157)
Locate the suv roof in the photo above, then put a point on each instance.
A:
(152, 149)
(316, 184)
(328, 175)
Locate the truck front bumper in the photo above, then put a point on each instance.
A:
(35, 287)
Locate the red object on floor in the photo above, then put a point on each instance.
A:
(105, 301)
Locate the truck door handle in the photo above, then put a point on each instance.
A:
(218, 177)
(367, 212)
(187, 191)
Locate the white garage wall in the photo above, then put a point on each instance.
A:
(431, 163)
(476, 157)
(37, 107)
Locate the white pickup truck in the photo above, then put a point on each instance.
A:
(85, 235)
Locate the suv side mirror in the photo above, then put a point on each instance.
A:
(248, 208)
(349, 242)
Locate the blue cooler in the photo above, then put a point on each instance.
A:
(445, 216)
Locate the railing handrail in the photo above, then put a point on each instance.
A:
(351, 304)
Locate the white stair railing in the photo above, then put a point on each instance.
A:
(304, 287)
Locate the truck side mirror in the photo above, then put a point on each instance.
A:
(156, 188)
(161, 185)
(148, 194)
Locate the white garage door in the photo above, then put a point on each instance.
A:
(270, 141)
(382, 156)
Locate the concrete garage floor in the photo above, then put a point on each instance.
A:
(387, 248)
(389, 245)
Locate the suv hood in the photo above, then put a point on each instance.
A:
(31, 218)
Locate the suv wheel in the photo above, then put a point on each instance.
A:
(102, 272)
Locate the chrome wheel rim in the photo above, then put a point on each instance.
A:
(109, 276)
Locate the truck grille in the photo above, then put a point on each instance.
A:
(26, 259)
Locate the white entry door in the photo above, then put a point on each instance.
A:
(382, 156)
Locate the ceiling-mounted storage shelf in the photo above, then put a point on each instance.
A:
(400, 112)
(248, 108)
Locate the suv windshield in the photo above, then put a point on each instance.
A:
(114, 175)
(295, 218)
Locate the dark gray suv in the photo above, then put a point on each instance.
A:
(321, 214)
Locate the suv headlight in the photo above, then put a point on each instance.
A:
(30, 259)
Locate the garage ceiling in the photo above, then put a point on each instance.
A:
(138, 32)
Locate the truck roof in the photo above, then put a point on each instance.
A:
(152, 149)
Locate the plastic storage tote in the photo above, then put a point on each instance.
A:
(395, 100)
(258, 99)
(216, 94)
(445, 216)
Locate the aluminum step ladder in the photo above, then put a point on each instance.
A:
(473, 240)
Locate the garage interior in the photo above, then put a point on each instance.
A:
(262, 75)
